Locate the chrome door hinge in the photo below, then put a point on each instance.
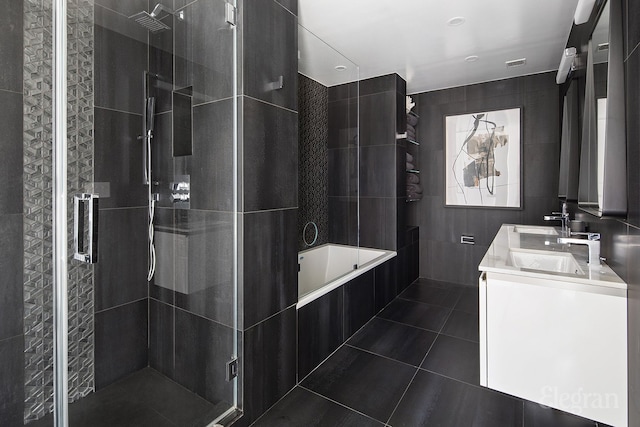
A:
(231, 14)
(232, 369)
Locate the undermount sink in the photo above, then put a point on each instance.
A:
(544, 261)
(535, 229)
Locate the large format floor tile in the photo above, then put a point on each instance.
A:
(302, 407)
(454, 358)
(394, 340)
(540, 416)
(461, 324)
(433, 400)
(145, 398)
(362, 381)
(431, 293)
(417, 314)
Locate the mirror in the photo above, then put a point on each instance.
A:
(602, 184)
(570, 140)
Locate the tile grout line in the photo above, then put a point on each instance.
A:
(340, 404)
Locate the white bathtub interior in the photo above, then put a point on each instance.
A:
(326, 267)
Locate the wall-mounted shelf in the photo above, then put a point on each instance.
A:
(412, 200)
(413, 142)
(413, 114)
(413, 171)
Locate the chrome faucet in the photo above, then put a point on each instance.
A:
(560, 216)
(592, 241)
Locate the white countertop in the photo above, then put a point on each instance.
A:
(497, 256)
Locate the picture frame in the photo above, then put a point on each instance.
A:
(483, 159)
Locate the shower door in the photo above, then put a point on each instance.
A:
(88, 334)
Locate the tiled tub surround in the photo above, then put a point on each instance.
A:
(330, 312)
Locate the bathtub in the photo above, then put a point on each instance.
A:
(327, 267)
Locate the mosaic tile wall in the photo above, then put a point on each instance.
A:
(38, 268)
(313, 153)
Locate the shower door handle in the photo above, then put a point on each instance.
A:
(82, 202)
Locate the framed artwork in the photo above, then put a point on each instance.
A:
(483, 159)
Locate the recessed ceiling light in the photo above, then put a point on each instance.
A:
(340, 67)
(472, 58)
(455, 21)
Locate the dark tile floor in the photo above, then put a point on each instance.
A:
(414, 364)
(145, 398)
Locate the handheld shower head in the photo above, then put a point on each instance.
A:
(150, 113)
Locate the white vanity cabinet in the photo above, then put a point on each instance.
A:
(559, 343)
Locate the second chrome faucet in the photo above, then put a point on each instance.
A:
(592, 241)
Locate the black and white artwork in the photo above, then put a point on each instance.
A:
(482, 159)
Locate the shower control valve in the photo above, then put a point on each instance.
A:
(179, 197)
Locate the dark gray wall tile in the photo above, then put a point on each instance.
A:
(11, 280)
(320, 326)
(270, 157)
(204, 259)
(291, 5)
(344, 91)
(118, 158)
(162, 158)
(120, 342)
(11, 51)
(386, 83)
(270, 50)
(161, 63)
(633, 320)
(540, 416)
(442, 257)
(161, 337)
(118, 41)
(121, 271)
(343, 220)
(378, 171)
(202, 349)
(12, 384)
(343, 121)
(343, 172)
(270, 264)
(359, 302)
(204, 51)
(211, 165)
(378, 119)
(269, 362)
(11, 152)
(125, 8)
(386, 279)
(633, 26)
(378, 223)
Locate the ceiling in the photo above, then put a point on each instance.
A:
(412, 38)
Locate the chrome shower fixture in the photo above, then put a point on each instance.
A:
(152, 22)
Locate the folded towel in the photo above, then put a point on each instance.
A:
(414, 188)
(411, 129)
(412, 120)
(413, 178)
(409, 158)
(414, 196)
(410, 166)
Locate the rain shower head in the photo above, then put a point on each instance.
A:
(151, 21)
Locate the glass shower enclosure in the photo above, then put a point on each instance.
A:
(118, 213)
